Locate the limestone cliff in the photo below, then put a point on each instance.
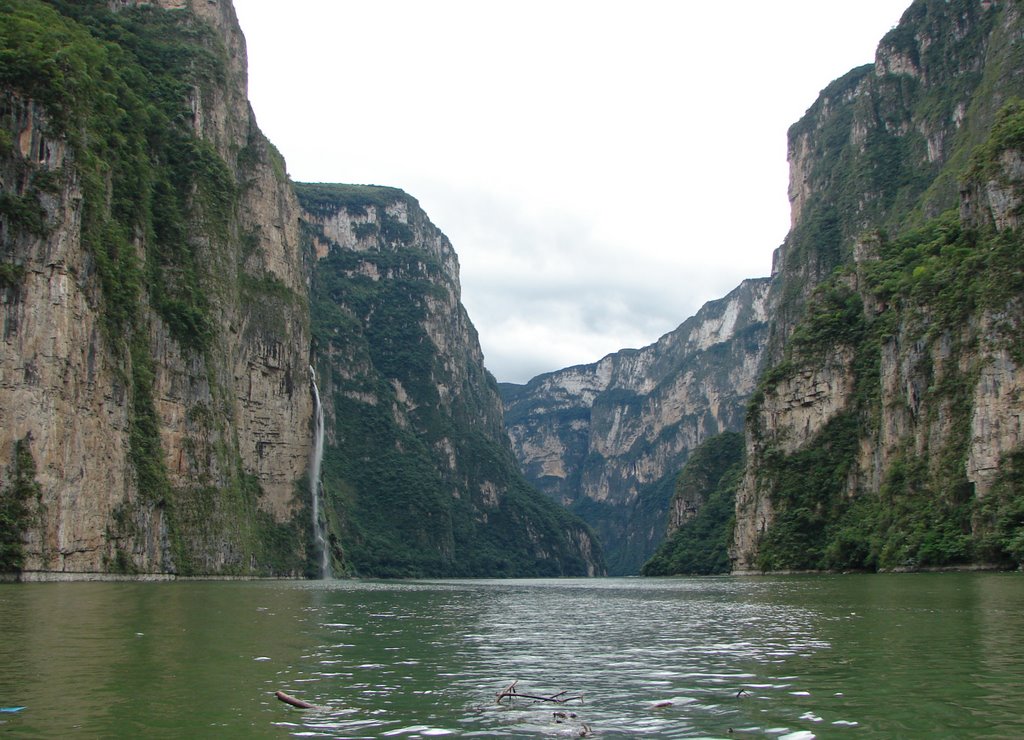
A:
(164, 297)
(418, 472)
(607, 440)
(882, 145)
(155, 326)
(887, 433)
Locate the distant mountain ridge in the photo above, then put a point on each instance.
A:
(608, 439)
(883, 426)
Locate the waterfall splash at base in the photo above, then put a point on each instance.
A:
(316, 461)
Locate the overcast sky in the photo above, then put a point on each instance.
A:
(601, 168)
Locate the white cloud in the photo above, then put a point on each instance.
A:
(602, 169)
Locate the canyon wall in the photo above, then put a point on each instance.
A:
(887, 433)
(164, 297)
(419, 473)
(167, 418)
(607, 440)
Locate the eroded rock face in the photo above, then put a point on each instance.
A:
(997, 419)
(240, 409)
(917, 421)
(601, 438)
(996, 199)
(932, 405)
(800, 405)
(58, 385)
(791, 414)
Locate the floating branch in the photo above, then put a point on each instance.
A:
(289, 699)
(510, 692)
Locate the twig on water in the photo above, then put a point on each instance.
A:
(510, 692)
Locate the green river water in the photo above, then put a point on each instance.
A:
(854, 656)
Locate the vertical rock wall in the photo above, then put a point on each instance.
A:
(232, 420)
(911, 400)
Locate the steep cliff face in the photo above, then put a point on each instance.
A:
(418, 472)
(155, 324)
(607, 440)
(881, 146)
(157, 276)
(887, 434)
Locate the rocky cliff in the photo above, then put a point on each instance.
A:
(887, 432)
(158, 328)
(885, 428)
(607, 440)
(419, 475)
(148, 235)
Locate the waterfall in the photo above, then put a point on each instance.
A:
(314, 478)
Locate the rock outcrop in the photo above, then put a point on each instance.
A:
(887, 432)
(607, 440)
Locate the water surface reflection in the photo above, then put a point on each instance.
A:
(821, 656)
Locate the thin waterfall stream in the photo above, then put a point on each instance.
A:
(314, 477)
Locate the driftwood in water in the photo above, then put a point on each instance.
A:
(289, 699)
(510, 692)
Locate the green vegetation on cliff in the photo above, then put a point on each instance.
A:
(328, 197)
(901, 281)
(700, 546)
(117, 87)
(18, 500)
(928, 286)
(158, 219)
(886, 151)
(932, 280)
(418, 477)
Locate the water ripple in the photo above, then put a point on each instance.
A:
(792, 657)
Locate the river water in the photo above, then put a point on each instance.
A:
(929, 655)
